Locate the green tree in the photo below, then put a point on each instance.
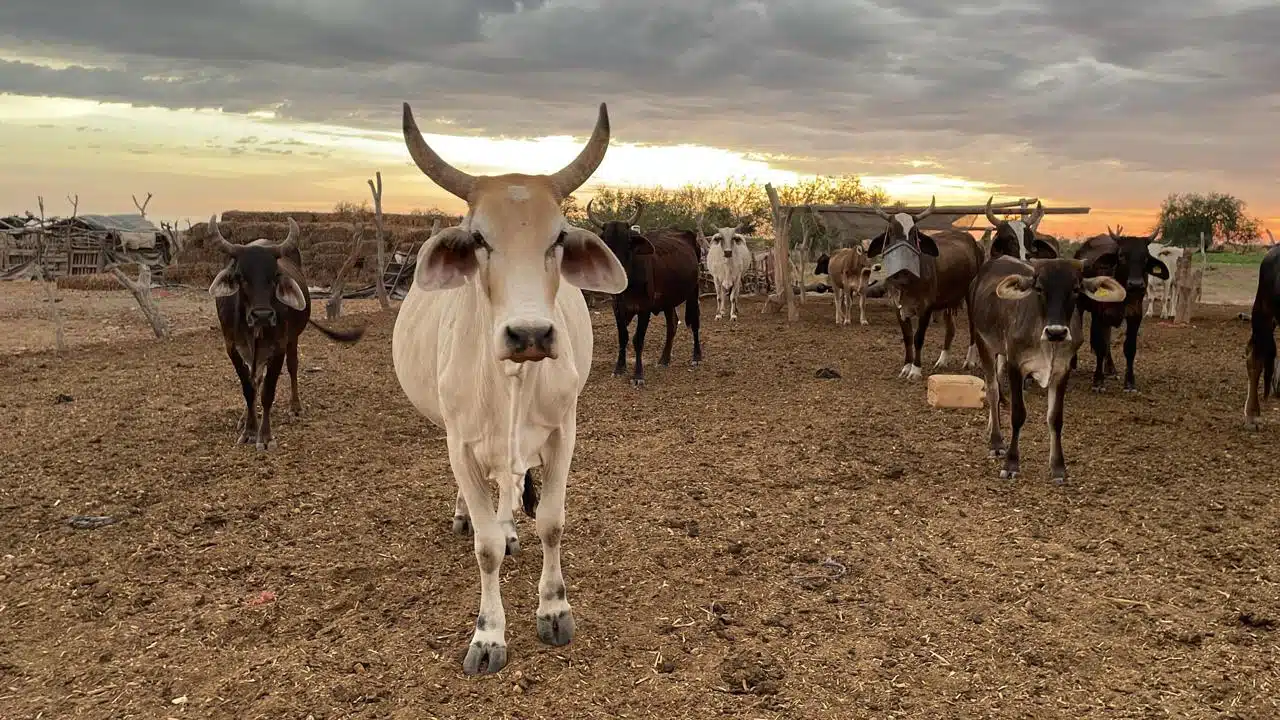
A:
(1221, 217)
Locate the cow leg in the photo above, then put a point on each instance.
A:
(1053, 417)
(693, 318)
(274, 365)
(733, 300)
(908, 366)
(622, 320)
(862, 307)
(1100, 343)
(839, 303)
(1017, 416)
(1131, 326)
(249, 421)
(291, 360)
(555, 615)
(719, 300)
(508, 487)
(487, 652)
(949, 325)
(922, 327)
(991, 369)
(1252, 405)
(642, 326)
(461, 518)
(670, 314)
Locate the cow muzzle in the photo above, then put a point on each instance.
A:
(728, 253)
(1056, 333)
(528, 341)
(1136, 285)
(262, 317)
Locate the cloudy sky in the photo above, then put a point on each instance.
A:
(281, 104)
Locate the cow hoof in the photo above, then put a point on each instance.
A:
(1252, 424)
(296, 409)
(269, 444)
(485, 658)
(995, 453)
(695, 362)
(462, 526)
(556, 629)
(1059, 477)
(863, 322)
(1098, 388)
(719, 316)
(513, 538)
(664, 363)
(619, 372)
(733, 317)
(246, 437)
(1130, 388)
(1007, 474)
(637, 382)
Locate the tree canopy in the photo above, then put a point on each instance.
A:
(1221, 217)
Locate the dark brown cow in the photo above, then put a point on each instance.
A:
(1127, 259)
(662, 273)
(1262, 340)
(1026, 326)
(949, 260)
(263, 306)
(1018, 238)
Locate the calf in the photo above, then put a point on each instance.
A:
(1024, 318)
(728, 258)
(949, 260)
(1160, 289)
(1018, 238)
(1261, 348)
(493, 344)
(263, 306)
(850, 271)
(662, 273)
(1128, 260)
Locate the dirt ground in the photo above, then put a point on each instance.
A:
(744, 539)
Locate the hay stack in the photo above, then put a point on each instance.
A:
(96, 281)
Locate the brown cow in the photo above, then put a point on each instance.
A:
(850, 271)
(1128, 259)
(1025, 323)
(662, 273)
(1262, 340)
(949, 259)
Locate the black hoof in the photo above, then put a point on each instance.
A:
(484, 658)
(556, 629)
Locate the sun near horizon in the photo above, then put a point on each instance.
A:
(202, 162)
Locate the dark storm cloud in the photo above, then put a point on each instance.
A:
(1158, 85)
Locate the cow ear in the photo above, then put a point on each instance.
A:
(446, 260)
(1156, 267)
(589, 264)
(1015, 287)
(290, 293)
(1104, 288)
(225, 283)
(1042, 249)
(927, 245)
(877, 244)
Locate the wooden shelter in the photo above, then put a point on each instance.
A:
(79, 245)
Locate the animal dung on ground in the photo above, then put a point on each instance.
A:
(956, 391)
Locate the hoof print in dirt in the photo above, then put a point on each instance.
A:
(752, 673)
(484, 658)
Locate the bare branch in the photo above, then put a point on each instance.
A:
(50, 293)
(380, 286)
(142, 208)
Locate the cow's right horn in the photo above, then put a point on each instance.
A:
(572, 176)
(991, 217)
(227, 246)
(591, 215)
(289, 241)
(639, 210)
(884, 215)
(432, 165)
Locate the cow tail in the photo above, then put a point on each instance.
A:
(342, 336)
(529, 495)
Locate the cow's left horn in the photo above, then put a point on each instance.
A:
(432, 165)
(883, 215)
(991, 217)
(289, 241)
(572, 176)
(933, 204)
(639, 209)
(227, 246)
(1154, 234)
(1036, 216)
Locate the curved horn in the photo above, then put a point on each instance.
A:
(639, 209)
(991, 217)
(227, 246)
(1154, 234)
(571, 176)
(933, 203)
(884, 215)
(432, 165)
(591, 215)
(1036, 216)
(1115, 234)
(290, 240)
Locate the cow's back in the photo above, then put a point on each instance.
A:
(959, 258)
(675, 265)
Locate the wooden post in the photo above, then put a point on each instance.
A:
(803, 260)
(382, 251)
(781, 259)
(1186, 292)
(333, 306)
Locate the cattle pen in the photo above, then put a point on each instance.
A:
(787, 530)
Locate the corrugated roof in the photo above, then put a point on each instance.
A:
(126, 222)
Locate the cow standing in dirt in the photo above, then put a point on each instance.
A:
(493, 343)
(850, 272)
(948, 261)
(263, 306)
(1261, 348)
(1018, 238)
(728, 259)
(1128, 259)
(662, 274)
(1026, 326)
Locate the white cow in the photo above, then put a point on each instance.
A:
(1165, 289)
(493, 343)
(728, 259)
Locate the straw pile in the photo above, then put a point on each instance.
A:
(96, 281)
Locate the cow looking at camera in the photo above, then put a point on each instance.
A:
(728, 259)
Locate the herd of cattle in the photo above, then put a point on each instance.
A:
(493, 342)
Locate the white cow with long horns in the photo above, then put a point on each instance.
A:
(493, 343)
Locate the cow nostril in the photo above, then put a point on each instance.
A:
(544, 337)
(517, 339)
